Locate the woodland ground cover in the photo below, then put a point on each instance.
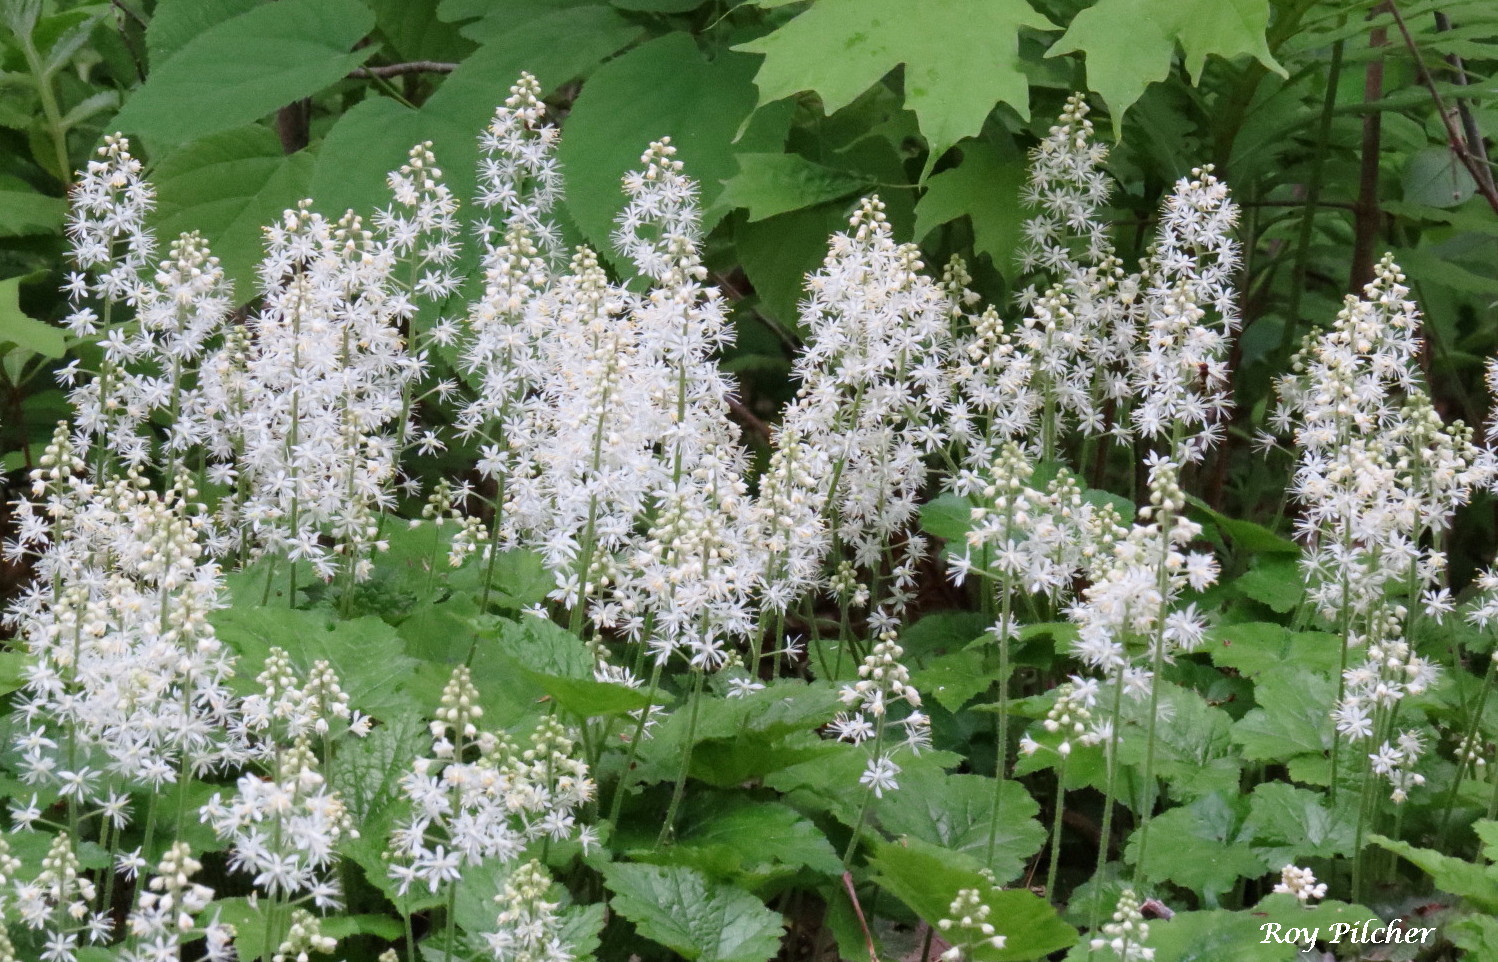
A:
(550, 480)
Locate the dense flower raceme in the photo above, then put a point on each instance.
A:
(605, 452)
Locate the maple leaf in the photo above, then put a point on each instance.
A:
(1130, 44)
(960, 56)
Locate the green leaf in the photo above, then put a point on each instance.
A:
(414, 32)
(379, 926)
(1275, 581)
(241, 69)
(12, 670)
(1256, 647)
(248, 920)
(944, 631)
(1130, 44)
(1293, 717)
(984, 187)
(661, 88)
(587, 698)
(697, 918)
(1289, 824)
(23, 331)
(948, 516)
(771, 184)
(952, 679)
(1477, 884)
(176, 22)
(779, 252)
(228, 186)
(1197, 846)
(373, 138)
(734, 837)
(926, 879)
(960, 57)
(1246, 535)
(1433, 177)
(1477, 934)
(1219, 936)
(367, 654)
(24, 212)
(955, 811)
(368, 772)
(1194, 749)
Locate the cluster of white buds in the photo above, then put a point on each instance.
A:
(304, 937)
(1301, 883)
(1125, 935)
(1071, 718)
(284, 708)
(480, 796)
(966, 926)
(528, 926)
(58, 902)
(882, 681)
(165, 918)
(994, 397)
(790, 520)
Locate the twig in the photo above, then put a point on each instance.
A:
(1461, 148)
(401, 69)
(748, 419)
(868, 936)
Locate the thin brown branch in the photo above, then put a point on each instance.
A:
(748, 420)
(401, 69)
(863, 923)
(1460, 147)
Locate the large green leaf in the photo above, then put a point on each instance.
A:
(960, 57)
(23, 211)
(1130, 44)
(373, 669)
(771, 184)
(1476, 883)
(174, 23)
(683, 910)
(733, 837)
(243, 68)
(368, 772)
(227, 186)
(1289, 824)
(1256, 647)
(13, 666)
(956, 811)
(1219, 936)
(413, 31)
(984, 188)
(926, 879)
(374, 137)
(661, 89)
(22, 330)
(1197, 846)
(1293, 717)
